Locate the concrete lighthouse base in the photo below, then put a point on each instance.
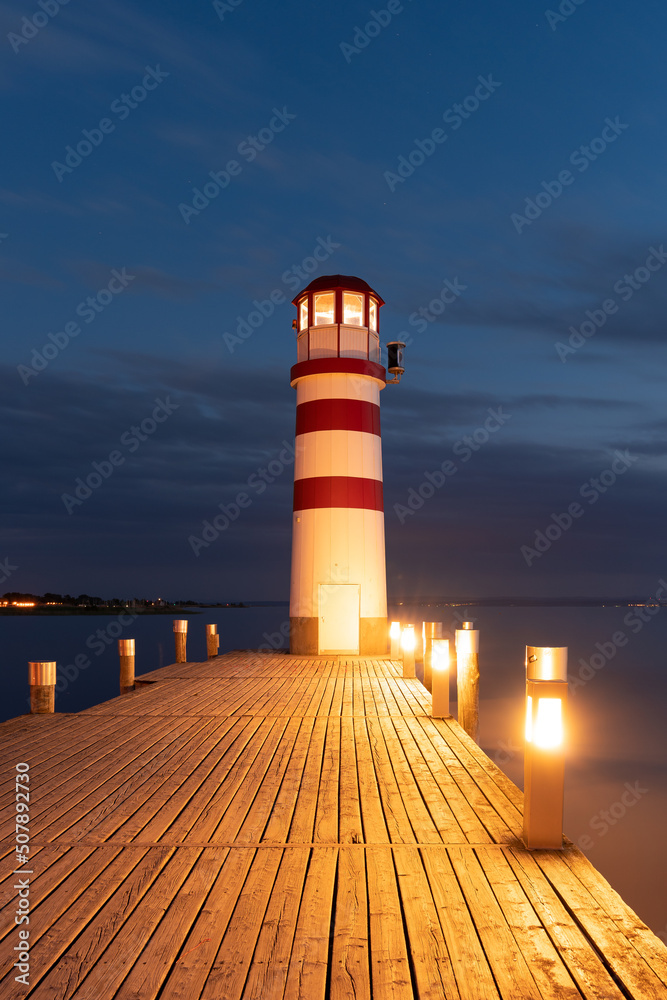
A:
(304, 637)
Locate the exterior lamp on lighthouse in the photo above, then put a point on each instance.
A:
(544, 760)
(338, 594)
(395, 639)
(408, 647)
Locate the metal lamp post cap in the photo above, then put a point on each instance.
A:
(42, 672)
(546, 663)
(180, 625)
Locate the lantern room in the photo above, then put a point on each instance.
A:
(338, 317)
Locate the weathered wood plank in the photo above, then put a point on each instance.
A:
(270, 963)
(308, 967)
(350, 966)
(584, 964)
(432, 967)
(390, 966)
(188, 974)
(510, 968)
(230, 968)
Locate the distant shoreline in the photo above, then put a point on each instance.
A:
(491, 602)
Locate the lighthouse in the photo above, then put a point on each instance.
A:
(338, 593)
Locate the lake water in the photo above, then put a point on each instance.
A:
(616, 783)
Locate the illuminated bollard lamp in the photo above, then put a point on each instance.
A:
(430, 631)
(395, 639)
(440, 678)
(544, 760)
(408, 647)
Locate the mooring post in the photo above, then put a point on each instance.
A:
(408, 647)
(430, 631)
(181, 638)
(440, 678)
(467, 678)
(42, 680)
(212, 641)
(126, 655)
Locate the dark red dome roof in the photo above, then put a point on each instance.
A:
(332, 281)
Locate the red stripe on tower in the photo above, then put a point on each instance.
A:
(338, 491)
(338, 415)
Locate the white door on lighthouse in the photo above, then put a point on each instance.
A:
(339, 618)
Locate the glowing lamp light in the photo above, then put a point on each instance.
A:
(430, 631)
(548, 727)
(544, 760)
(395, 638)
(408, 647)
(440, 678)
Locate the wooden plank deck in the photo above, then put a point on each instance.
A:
(268, 826)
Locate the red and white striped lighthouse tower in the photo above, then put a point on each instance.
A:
(338, 599)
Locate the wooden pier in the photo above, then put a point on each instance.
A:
(267, 827)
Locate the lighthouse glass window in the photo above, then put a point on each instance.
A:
(303, 314)
(372, 314)
(324, 309)
(353, 309)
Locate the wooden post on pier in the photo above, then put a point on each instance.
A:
(181, 638)
(430, 631)
(212, 641)
(42, 680)
(467, 678)
(126, 654)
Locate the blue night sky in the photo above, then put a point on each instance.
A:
(541, 200)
